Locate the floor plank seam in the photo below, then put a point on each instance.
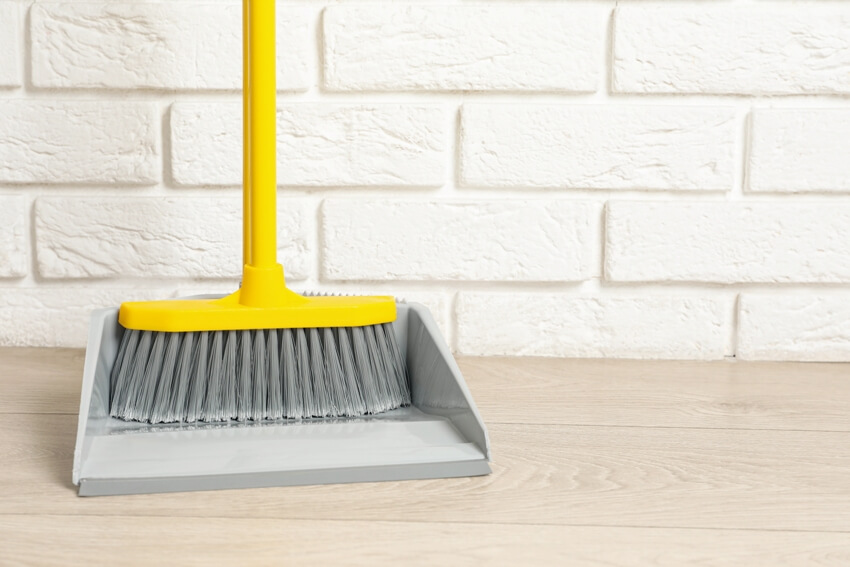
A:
(688, 427)
(435, 522)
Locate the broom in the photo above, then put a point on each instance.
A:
(263, 352)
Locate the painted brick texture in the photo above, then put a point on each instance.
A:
(633, 179)
(13, 237)
(58, 315)
(718, 48)
(154, 237)
(10, 32)
(173, 45)
(536, 324)
(319, 145)
(597, 147)
(800, 151)
(477, 241)
(724, 242)
(813, 327)
(76, 142)
(495, 47)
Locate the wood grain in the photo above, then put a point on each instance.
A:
(724, 394)
(120, 540)
(596, 463)
(699, 478)
(40, 380)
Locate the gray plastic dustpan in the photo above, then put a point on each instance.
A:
(440, 436)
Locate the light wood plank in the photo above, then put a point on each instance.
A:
(87, 541)
(735, 395)
(40, 380)
(615, 476)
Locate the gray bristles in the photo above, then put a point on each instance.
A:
(258, 375)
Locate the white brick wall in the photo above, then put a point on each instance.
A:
(59, 314)
(524, 241)
(587, 178)
(492, 47)
(727, 242)
(538, 324)
(155, 237)
(65, 142)
(798, 151)
(597, 147)
(319, 145)
(174, 45)
(10, 39)
(13, 237)
(794, 327)
(719, 47)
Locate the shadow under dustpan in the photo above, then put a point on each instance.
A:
(440, 436)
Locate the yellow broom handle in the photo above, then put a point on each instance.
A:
(261, 161)
(246, 139)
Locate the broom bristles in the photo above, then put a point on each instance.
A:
(216, 376)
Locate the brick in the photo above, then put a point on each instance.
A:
(540, 324)
(803, 326)
(477, 48)
(799, 150)
(318, 145)
(13, 239)
(54, 316)
(597, 147)
(174, 45)
(764, 48)
(728, 242)
(440, 306)
(79, 142)
(10, 36)
(479, 241)
(156, 237)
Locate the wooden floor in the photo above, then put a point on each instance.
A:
(595, 463)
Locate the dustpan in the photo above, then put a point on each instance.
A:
(440, 436)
